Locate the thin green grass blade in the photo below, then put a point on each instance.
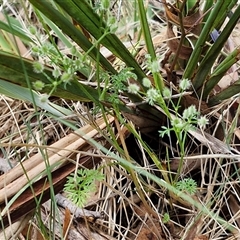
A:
(149, 43)
(190, 4)
(212, 54)
(21, 93)
(11, 71)
(207, 5)
(5, 45)
(186, 197)
(73, 32)
(218, 10)
(56, 31)
(15, 29)
(220, 71)
(225, 94)
(221, 18)
(7, 42)
(84, 15)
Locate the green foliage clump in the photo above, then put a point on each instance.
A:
(166, 218)
(187, 185)
(81, 184)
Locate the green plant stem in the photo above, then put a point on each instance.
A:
(166, 185)
(134, 174)
(151, 154)
(68, 28)
(211, 55)
(225, 94)
(158, 80)
(207, 5)
(220, 71)
(181, 143)
(183, 35)
(219, 8)
(97, 44)
(85, 16)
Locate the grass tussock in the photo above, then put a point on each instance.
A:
(120, 120)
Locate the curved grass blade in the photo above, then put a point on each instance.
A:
(73, 32)
(218, 10)
(12, 71)
(220, 71)
(57, 31)
(14, 29)
(214, 51)
(158, 80)
(84, 15)
(225, 94)
(18, 92)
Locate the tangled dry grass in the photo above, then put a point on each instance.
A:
(116, 210)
